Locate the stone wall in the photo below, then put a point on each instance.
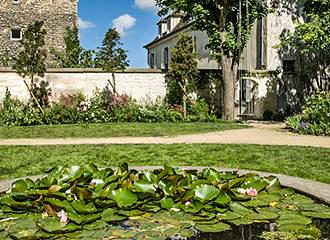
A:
(141, 84)
(56, 14)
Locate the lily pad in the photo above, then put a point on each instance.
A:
(110, 215)
(218, 227)
(206, 192)
(124, 197)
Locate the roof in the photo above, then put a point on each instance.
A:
(182, 25)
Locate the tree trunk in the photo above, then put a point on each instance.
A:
(229, 74)
(229, 69)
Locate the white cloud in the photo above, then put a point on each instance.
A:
(82, 24)
(123, 23)
(146, 5)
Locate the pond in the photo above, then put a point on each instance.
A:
(169, 203)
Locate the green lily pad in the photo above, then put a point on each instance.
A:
(291, 227)
(83, 208)
(53, 225)
(19, 186)
(206, 192)
(124, 197)
(223, 199)
(145, 186)
(166, 203)
(229, 215)
(263, 214)
(293, 219)
(110, 215)
(218, 227)
(239, 208)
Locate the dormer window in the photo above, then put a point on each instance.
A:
(15, 1)
(169, 25)
(16, 34)
(159, 29)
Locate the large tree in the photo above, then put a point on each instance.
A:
(228, 24)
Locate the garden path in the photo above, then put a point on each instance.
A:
(264, 133)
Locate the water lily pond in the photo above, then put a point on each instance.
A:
(169, 203)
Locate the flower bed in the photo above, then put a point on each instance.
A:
(88, 203)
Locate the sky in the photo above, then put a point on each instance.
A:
(135, 20)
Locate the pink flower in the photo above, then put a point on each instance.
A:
(63, 216)
(251, 192)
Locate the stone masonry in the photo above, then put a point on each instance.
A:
(18, 14)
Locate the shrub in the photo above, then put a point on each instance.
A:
(315, 118)
(103, 107)
(15, 113)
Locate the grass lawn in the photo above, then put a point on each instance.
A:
(306, 162)
(115, 130)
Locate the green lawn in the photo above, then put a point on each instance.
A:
(115, 130)
(306, 162)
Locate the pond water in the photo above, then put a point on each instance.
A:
(254, 231)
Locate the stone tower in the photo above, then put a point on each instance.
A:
(16, 15)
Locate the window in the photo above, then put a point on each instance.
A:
(289, 65)
(169, 26)
(152, 60)
(195, 43)
(166, 56)
(16, 34)
(160, 29)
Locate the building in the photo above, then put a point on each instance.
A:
(16, 15)
(262, 66)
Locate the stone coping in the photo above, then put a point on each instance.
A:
(88, 70)
(308, 187)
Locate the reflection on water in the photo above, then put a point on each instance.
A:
(254, 231)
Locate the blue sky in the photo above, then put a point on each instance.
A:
(135, 19)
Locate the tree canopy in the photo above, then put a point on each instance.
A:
(232, 17)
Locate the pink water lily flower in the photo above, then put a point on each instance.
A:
(63, 216)
(251, 192)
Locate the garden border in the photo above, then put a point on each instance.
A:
(308, 187)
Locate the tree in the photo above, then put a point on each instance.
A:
(110, 56)
(183, 72)
(311, 43)
(74, 55)
(30, 62)
(228, 24)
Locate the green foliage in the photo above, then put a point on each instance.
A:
(110, 56)
(315, 118)
(311, 42)
(30, 61)
(217, 17)
(42, 91)
(15, 113)
(182, 71)
(285, 236)
(74, 56)
(73, 199)
(103, 107)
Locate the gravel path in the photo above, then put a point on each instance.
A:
(259, 133)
